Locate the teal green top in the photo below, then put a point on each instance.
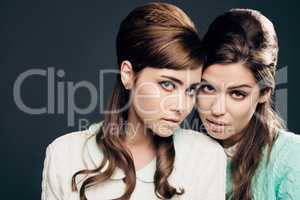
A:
(279, 179)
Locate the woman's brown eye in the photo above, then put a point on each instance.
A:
(207, 89)
(191, 91)
(238, 94)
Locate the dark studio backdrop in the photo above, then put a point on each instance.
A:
(46, 45)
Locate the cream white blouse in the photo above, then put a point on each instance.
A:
(199, 168)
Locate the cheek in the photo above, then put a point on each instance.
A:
(204, 103)
(146, 99)
(241, 113)
(190, 104)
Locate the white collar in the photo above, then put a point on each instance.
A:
(146, 174)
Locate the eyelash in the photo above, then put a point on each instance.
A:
(236, 94)
(191, 91)
(166, 84)
(203, 88)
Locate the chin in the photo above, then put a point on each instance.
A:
(164, 131)
(165, 134)
(217, 135)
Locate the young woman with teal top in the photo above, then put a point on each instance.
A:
(235, 107)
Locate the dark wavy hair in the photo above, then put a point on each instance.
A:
(157, 35)
(246, 36)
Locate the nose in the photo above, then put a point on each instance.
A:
(177, 103)
(218, 107)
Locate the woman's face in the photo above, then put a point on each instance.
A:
(226, 100)
(162, 98)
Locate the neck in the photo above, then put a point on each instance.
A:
(137, 133)
(139, 141)
(229, 142)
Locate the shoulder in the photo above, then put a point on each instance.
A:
(200, 162)
(287, 145)
(69, 140)
(289, 137)
(71, 143)
(185, 137)
(68, 154)
(285, 157)
(197, 144)
(64, 157)
(286, 164)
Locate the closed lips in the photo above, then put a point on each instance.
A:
(172, 120)
(218, 123)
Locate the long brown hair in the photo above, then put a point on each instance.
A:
(158, 35)
(246, 36)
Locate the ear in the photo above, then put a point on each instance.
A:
(265, 96)
(127, 74)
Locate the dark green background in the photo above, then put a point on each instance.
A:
(79, 37)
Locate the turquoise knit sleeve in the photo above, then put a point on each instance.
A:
(288, 171)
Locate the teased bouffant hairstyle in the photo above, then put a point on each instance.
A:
(156, 35)
(246, 36)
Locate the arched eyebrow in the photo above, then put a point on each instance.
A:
(239, 86)
(203, 81)
(173, 79)
(193, 85)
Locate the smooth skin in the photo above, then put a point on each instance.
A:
(160, 99)
(226, 101)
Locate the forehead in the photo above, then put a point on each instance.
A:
(184, 75)
(228, 74)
